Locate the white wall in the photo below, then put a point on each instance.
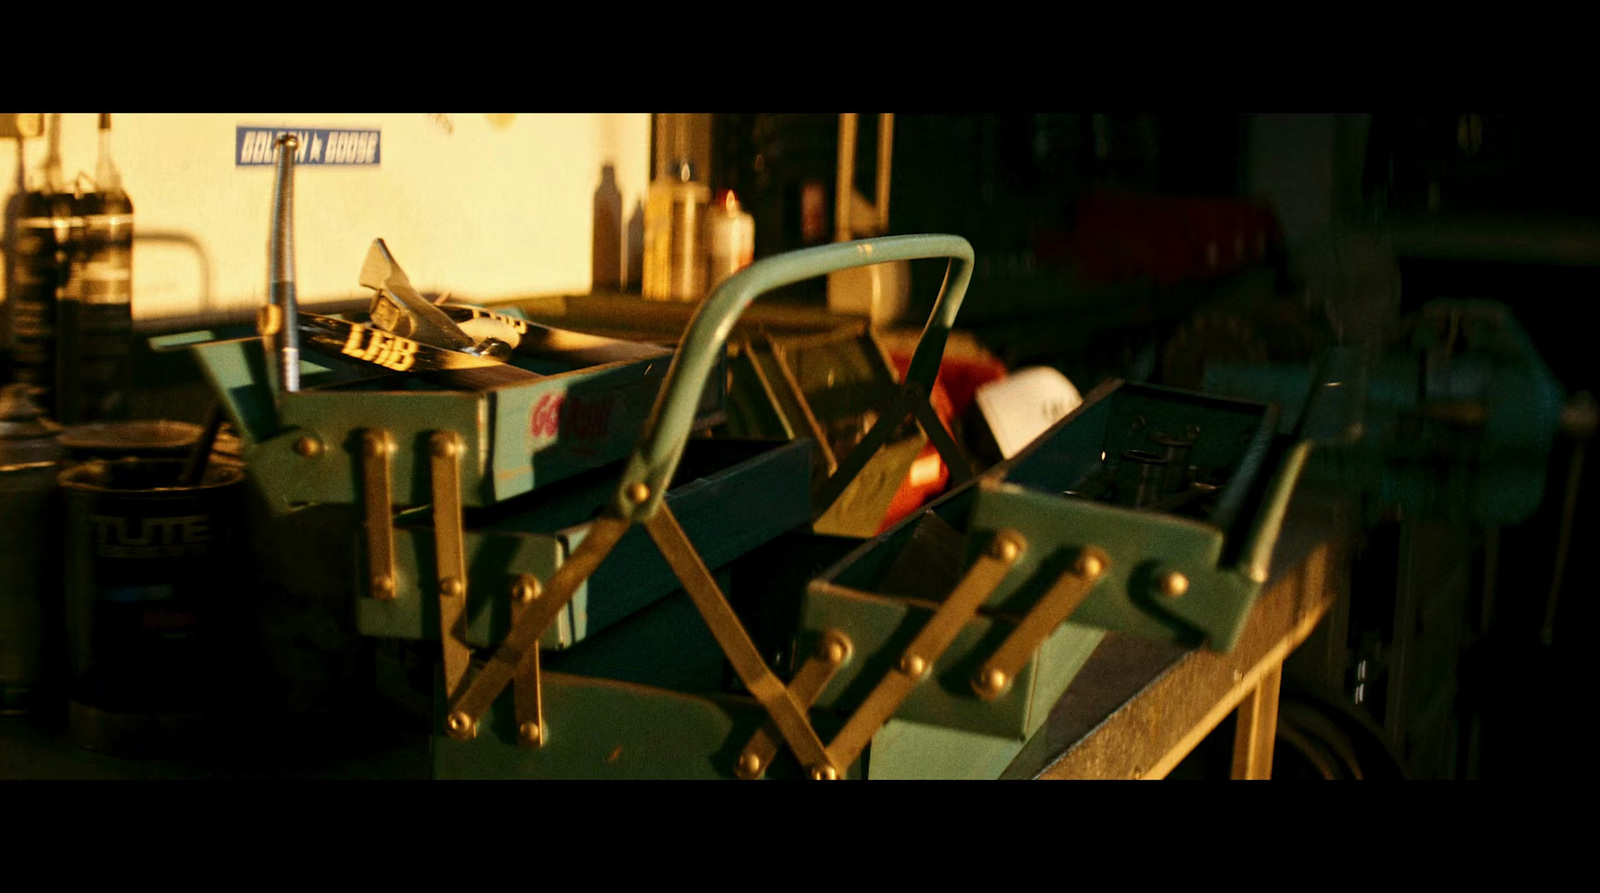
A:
(489, 207)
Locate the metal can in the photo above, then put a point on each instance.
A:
(135, 438)
(30, 550)
(147, 581)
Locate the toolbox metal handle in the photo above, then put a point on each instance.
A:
(666, 432)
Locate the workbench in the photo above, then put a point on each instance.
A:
(1139, 706)
(1135, 710)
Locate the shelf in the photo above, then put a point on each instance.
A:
(1505, 239)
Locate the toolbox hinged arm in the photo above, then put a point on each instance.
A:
(650, 469)
(1052, 610)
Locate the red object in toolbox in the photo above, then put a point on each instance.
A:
(953, 392)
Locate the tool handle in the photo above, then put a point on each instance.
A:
(666, 433)
(284, 321)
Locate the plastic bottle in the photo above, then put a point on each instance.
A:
(675, 258)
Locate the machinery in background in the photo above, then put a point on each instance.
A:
(1456, 418)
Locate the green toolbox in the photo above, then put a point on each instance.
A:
(1147, 511)
(533, 500)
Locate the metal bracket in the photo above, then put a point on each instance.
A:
(915, 664)
(516, 660)
(1053, 608)
(450, 553)
(780, 702)
(521, 643)
(929, 645)
(378, 497)
(814, 675)
(525, 691)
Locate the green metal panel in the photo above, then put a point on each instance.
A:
(841, 377)
(909, 751)
(666, 645)
(732, 497)
(599, 729)
(516, 437)
(569, 423)
(494, 558)
(880, 629)
(753, 405)
(1125, 600)
(638, 701)
(337, 418)
(235, 369)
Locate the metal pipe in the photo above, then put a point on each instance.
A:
(845, 225)
(885, 162)
(844, 194)
(285, 321)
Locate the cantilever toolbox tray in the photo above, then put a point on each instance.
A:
(583, 410)
(555, 432)
(1148, 511)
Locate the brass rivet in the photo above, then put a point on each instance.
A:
(309, 446)
(446, 444)
(835, 648)
(1005, 548)
(529, 731)
(1090, 565)
(378, 445)
(994, 681)
(913, 665)
(824, 773)
(638, 492)
(749, 764)
(1173, 584)
(460, 725)
(383, 583)
(526, 588)
(451, 586)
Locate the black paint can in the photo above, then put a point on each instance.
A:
(150, 576)
(30, 552)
